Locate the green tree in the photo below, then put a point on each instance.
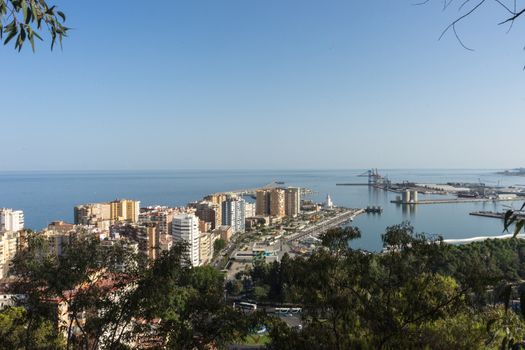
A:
(189, 304)
(14, 323)
(86, 280)
(219, 245)
(23, 20)
(406, 297)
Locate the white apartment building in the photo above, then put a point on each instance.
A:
(185, 228)
(11, 220)
(233, 214)
(8, 247)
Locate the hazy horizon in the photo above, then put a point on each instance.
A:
(247, 169)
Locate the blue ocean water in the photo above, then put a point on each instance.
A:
(49, 196)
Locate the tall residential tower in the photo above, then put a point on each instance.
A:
(185, 228)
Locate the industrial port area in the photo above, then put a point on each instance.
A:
(452, 192)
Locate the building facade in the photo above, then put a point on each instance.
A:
(262, 202)
(186, 229)
(233, 214)
(217, 198)
(277, 208)
(205, 248)
(292, 199)
(96, 214)
(249, 210)
(8, 247)
(161, 217)
(125, 210)
(11, 220)
(209, 212)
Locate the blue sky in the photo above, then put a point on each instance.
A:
(265, 84)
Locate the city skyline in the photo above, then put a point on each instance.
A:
(295, 85)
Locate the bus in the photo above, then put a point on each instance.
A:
(245, 306)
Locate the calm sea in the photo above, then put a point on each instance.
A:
(49, 196)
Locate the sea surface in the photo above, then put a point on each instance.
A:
(50, 196)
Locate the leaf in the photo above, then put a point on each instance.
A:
(61, 14)
(24, 10)
(11, 35)
(504, 343)
(31, 38)
(519, 226)
(34, 9)
(508, 219)
(53, 39)
(50, 10)
(38, 36)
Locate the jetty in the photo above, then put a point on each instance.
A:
(496, 215)
(456, 200)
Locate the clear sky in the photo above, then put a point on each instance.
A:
(265, 84)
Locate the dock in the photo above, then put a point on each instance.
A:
(495, 214)
(456, 200)
(321, 227)
(353, 184)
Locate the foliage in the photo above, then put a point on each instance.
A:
(419, 293)
(218, 245)
(22, 20)
(14, 322)
(114, 299)
(82, 284)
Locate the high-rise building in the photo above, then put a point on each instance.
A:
(57, 240)
(205, 248)
(104, 214)
(209, 212)
(217, 198)
(125, 210)
(186, 229)
(277, 203)
(292, 199)
(149, 240)
(11, 220)
(249, 209)
(161, 217)
(262, 203)
(96, 214)
(233, 214)
(8, 248)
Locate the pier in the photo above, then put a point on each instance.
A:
(321, 227)
(495, 214)
(456, 200)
